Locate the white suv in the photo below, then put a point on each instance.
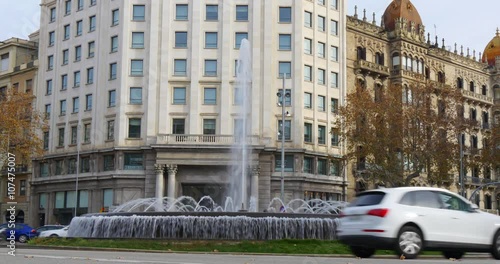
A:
(411, 219)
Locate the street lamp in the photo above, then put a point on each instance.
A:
(461, 173)
(283, 95)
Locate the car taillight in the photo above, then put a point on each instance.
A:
(378, 212)
(33, 230)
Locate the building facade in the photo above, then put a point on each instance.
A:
(397, 49)
(18, 71)
(142, 100)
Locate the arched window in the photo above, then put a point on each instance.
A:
(484, 90)
(441, 77)
(415, 64)
(396, 61)
(404, 61)
(471, 86)
(379, 58)
(409, 63)
(496, 91)
(460, 83)
(361, 53)
(20, 217)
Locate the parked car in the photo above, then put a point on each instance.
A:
(22, 232)
(63, 232)
(412, 219)
(48, 227)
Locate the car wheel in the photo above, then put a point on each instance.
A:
(54, 235)
(362, 252)
(23, 238)
(410, 242)
(495, 251)
(453, 254)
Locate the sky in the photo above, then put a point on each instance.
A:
(468, 23)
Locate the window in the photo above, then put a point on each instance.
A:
(134, 128)
(308, 165)
(239, 36)
(71, 166)
(181, 12)
(288, 97)
(242, 13)
(322, 166)
(334, 53)
(334, 4)
(74, 132)
(452, 202)
(138, 13)
(288, 163)
(86, 133)
(321, 103)
(210, 67)
(76, 79)
(181, 39)
(238, 96)
(178, 126)
(107, 199)
(321, 49)
(79, 27)
(321, 2)
(179, 95)
(90, 75)
(307, 132)
(335, 105)
(115, 17)
(210, 96)
(180, 67)
(208, 126)
(76, 104)
(112, 71)
(288, 129)
(52, 14)
(109, 162)
(67, 31)
(335, 137)
(110, 135)
(321, 76)
(93, 2)
(137, 40)
(29, 85)
(285, 69)
(59, 167)
(112, 98)
(4, 64)
(65, 56)
(62, 108)
(44, 169)
(212, 12)
(133, 161)
(334, 78)
(78, 53)
(92, 23)
(135, 95)
(60, 142)
(114, 43)
(91, 47)
(285, 15)
(88, 99)
(45, 140)
(334, 27)
(48, 109)
(50, 62)
(210, 40)
(52, 38)
(48, 88)
(307, 73)
(79, 5)
(307, 19)
(308, 100)
(307, 46)
(67, 7)
(136, 67)
(321, 23)
(285, 42)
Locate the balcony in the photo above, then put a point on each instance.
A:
(372, 68)
(18, 169)
(408, 74)
(476, 180)
(477, 97)
(207, 140)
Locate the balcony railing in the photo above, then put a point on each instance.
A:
(476, 180)
(372, 67)
(205, 139)
(18, 169)
(478, 97)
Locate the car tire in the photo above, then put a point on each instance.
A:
(409, 242)
(453, 254)
(362, 252)
(54, 235)
(495, 250)
(23, 238)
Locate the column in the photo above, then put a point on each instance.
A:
(160, 186)
(172, 171)
(254, 191)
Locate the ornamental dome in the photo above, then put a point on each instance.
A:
(492, 50)
(401, 9)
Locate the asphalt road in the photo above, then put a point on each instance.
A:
(50, 256)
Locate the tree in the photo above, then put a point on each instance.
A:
(403, 132)
(19, 126)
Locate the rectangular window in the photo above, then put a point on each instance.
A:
(210, 96)
(67, 31)
(88, 100)
(321, 76)
(180, 67)
(92, 23)
(4, 62)
(133, 161)
(334, 53)
(45, 140)
(60, 197)
(67, 6)
(179, 95)
(335, 137)
(79, 27)
(72, 166)
(139, 13)
(112, 98)
(238, 96)
(134, 128)
(48, 109)
(109, 162)
(285, 42)
(115, 17)
(48, 90)
(114, 44)
(178, 126)
(93, 2)
(84, 199)
(307, 46)
(84, 165)
(78, 53)
(242, 13)
(288, 129)
(137, 40)
(112, 71)
(110, 135)
(76, 79)
(334, 4)
(181, 12)
(210, 67)
(308, 165)
(135, 95)
(308, 100)
(321, 103)
(76, 104)
(288, 163)
(285, 69)
(62, 108)
(334, 79)
(307, 19)
(285, 15)
(136, 67)
(334, 168)
(210, 40)
(321, 2)
(322, 166)
(321, 49)
(239, 36)
(86, 133)
(321, 135)
(208, 126)
(59, 167)
(181, 39)
(307, 73)
(52, 38)
(91, 47)
(80, 5)
(90, 75)
(334, 27)
(321, 23)
(50, 62)
(60, 142)
(52, 14)
(65, 57)
(107, 200)
(212, 12)
(335, 105)
(74, 136)
(308, 132)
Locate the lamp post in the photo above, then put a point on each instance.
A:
(283, 95)
(461, 173)
(77, 166)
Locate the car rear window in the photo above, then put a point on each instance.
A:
(367, 199)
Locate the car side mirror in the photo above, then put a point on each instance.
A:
(474, 207)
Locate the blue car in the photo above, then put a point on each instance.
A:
(21, 232)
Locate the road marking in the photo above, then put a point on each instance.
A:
(116, 260)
